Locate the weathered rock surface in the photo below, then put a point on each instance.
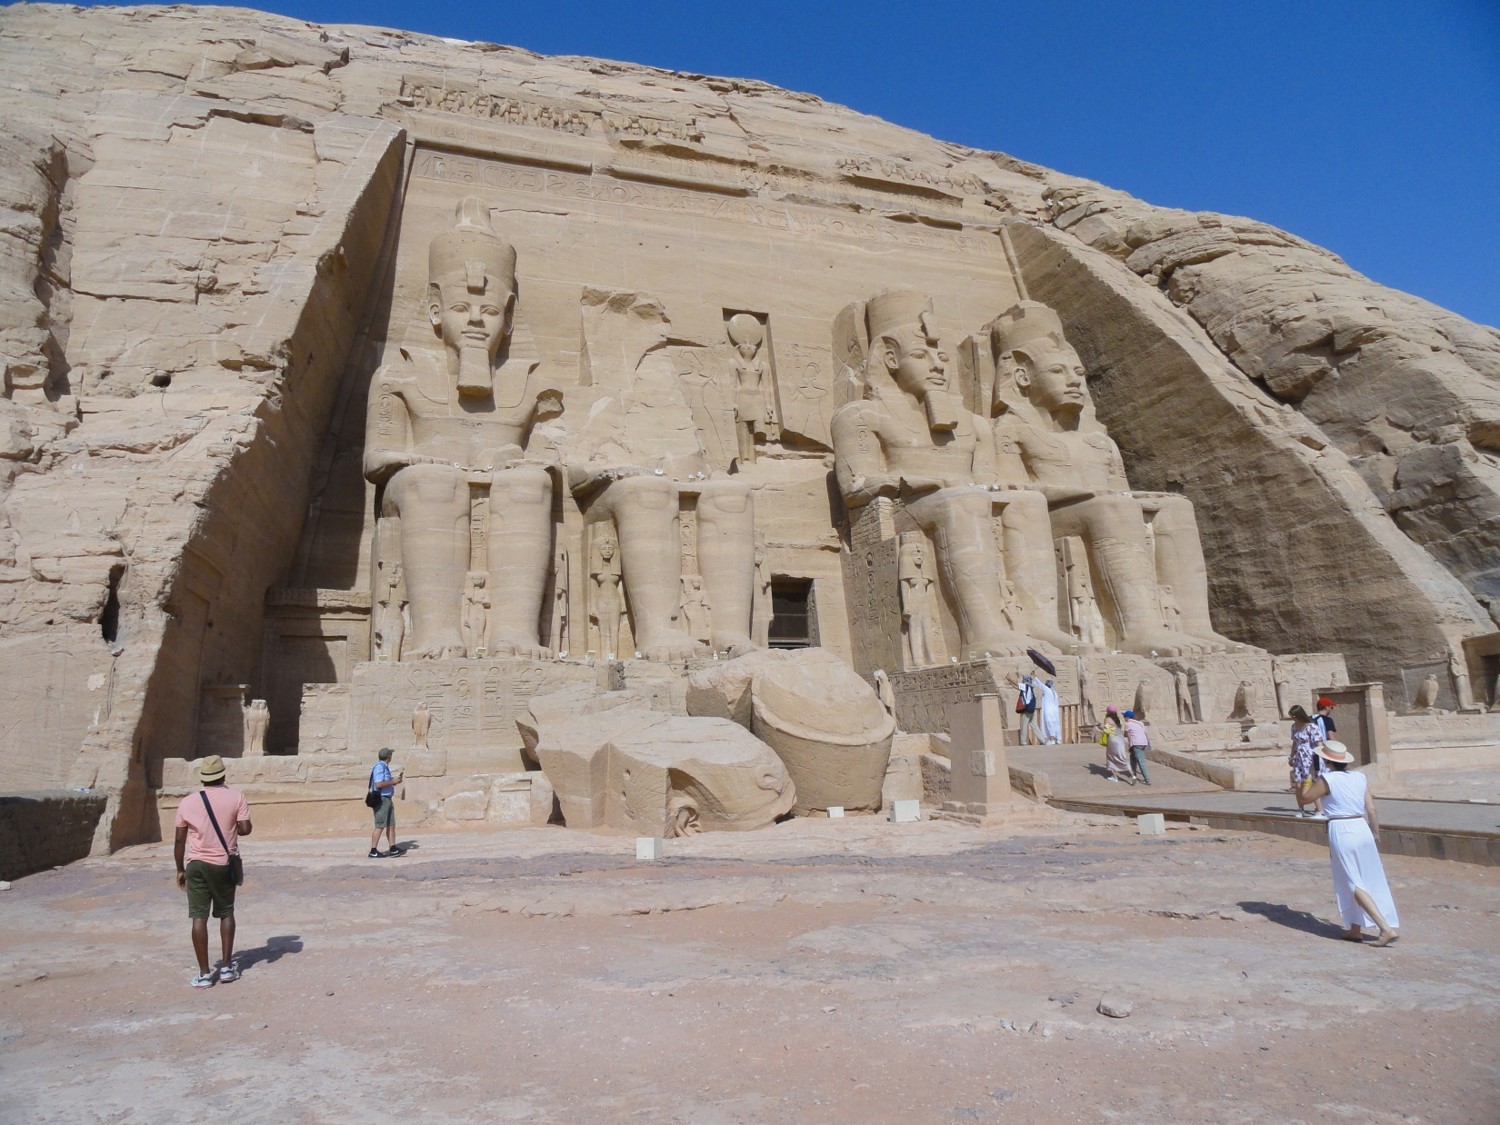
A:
(207, 223)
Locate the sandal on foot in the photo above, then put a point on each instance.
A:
(1386, 939)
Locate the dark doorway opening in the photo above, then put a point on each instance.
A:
(793, 622)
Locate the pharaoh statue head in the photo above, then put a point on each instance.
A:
(904, 342)
(471, 293)
(1033, 355)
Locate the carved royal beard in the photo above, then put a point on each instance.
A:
(942, 414)
(475, 375)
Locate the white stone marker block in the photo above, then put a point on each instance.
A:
(835, 812)
(1151, 824)
(648, 847)
(905, 812)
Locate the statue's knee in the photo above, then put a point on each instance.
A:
(649, 493)
(523, 485)
(426, 485)
(1022, 507)
(724, 497)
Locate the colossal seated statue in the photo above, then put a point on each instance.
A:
(445, 438)
(910, 439)
(633, 457)
(1143, 547)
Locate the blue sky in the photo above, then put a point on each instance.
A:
(1371, 127)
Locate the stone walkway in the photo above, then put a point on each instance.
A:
(1077, 771)
(1468, 831)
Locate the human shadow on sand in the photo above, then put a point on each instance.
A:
(1299, 920)
(274, 949)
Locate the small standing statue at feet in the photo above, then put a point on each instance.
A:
(390, 621)
(695, 608)
(476, 613)
(916, 602)
(608, 603)
(257, 721)
(560, 596)
(1459, 671)
(762, 608)
(1186, 712)
(884, 690)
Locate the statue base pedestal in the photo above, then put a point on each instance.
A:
(472, 706)
(1218, 685)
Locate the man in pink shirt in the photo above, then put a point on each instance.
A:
(1139, 742)
(204, 844)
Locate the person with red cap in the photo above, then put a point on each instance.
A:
(1324, 717)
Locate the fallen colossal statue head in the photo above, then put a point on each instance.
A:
(617, 764)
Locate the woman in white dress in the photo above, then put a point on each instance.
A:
(1116, 756)
(1358, 875)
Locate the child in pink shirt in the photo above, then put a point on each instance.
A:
(1139, 742)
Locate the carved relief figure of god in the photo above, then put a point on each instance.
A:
(1047, 438)
(447, 429)
(754, 416)
(910, 438)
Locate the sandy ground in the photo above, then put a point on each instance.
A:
(819, 971)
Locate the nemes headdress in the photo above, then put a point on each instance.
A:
(472, 250)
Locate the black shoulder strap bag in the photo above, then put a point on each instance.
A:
(236, 865)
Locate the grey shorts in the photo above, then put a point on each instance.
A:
(385, 815)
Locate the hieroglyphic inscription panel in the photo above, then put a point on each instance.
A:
(872, 590)
(1216, 680)
(473, 705)
(789, 218)
(923, 695)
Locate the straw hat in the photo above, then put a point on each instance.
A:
(210, 768)
(1335, 752)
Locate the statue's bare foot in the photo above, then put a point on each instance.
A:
(1003, 644)
(505, 643)
(1213, 642)
(735, 644)
(1063, 642)
(437, 650)
(1162, 642)
(670, 644)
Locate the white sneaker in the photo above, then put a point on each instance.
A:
(203, 980)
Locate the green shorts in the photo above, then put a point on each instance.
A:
(208, 883)
(385, 815)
